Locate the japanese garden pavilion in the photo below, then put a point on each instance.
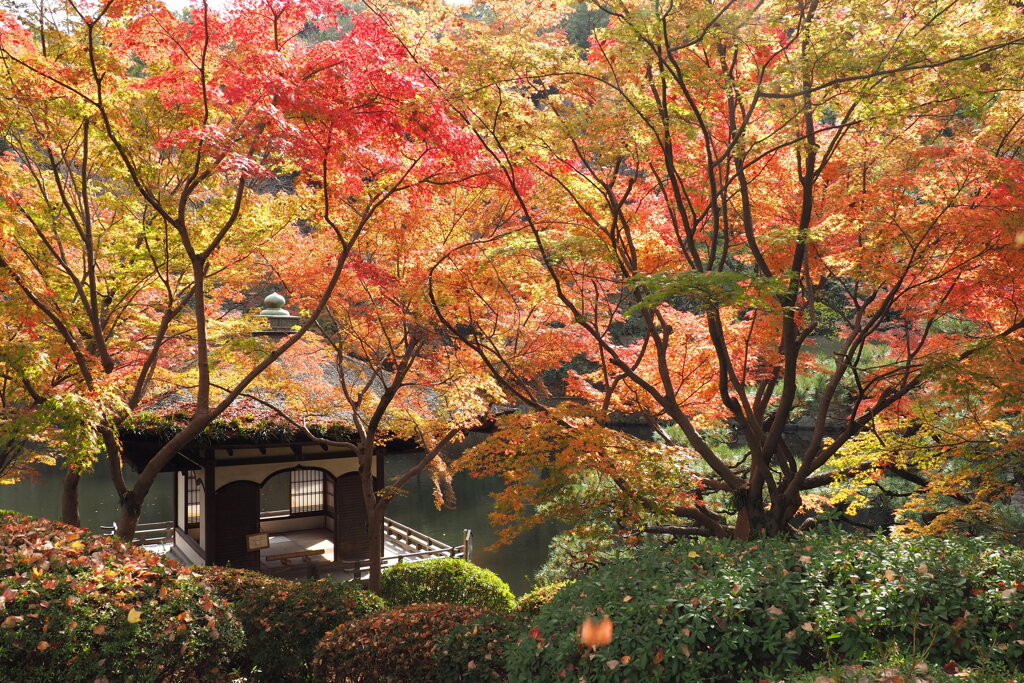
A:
(268, 497)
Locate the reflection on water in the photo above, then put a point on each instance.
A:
(515, 563)
(97, 500)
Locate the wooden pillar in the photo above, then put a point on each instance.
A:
(378, 479)
(174, 496)
(351, 540)
(237, 515)
(209, 520)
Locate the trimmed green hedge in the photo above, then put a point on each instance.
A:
(284, 620)
(446, 580)
(530, 603)
(734, 610)
(401, 645)
(78, 606)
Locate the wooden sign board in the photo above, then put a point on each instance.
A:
(257, 541)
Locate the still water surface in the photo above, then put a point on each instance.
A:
(515, 563)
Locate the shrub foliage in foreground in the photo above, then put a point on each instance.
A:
(75, 606)
(402, 644)
(284, 620)
(732, 610)
(446, 580)
(475, 651)
(530, 603)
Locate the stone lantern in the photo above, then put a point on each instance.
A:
(281, 321)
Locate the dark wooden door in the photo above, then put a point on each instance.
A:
(238, 514)
(351, 531)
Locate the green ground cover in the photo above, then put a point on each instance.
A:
(811, 609)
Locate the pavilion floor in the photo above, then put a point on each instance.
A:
(401, 544)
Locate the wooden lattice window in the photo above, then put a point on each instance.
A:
(191, 499)
(308, 487)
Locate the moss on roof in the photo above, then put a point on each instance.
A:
(238, 428)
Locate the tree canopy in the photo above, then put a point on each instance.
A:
(765, 216)
(784, 235)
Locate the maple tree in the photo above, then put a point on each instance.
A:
(730, 220)
(153, 157)
(15, 363)
(952, 463)
(397, 377)
(764, 215)
(396, 374)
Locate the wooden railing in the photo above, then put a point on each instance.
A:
(406, 536)
(421, 546)
(148, 533)
(361, 568)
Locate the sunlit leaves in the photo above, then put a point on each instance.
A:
(567, 465)
(110, 608)
(752, 220)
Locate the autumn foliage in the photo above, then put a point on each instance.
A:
(369, 648)
(752, 218)
(107, 610)
(782, 236)
(150, 163)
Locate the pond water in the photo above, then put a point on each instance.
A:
(515, 563)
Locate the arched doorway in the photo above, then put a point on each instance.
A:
(297, 512)
(297, 492)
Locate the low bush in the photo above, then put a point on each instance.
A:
(893, 666)
(572, 557)
(530, 603)
(732, 610)
(284, 620)
(475, 651)
(402, 644)
(446, 580)
(76, 606)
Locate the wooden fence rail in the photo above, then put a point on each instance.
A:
(148, 533)
(419, 545)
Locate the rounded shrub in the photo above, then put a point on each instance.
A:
(721, 610)
(446, 580)
(284, 620)
(78, 606)
(402, 644)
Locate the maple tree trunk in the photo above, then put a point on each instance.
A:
(128, 520)
(376, 522)
(69, 499)
(374, 512)
(132, 499)
(754, 520)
